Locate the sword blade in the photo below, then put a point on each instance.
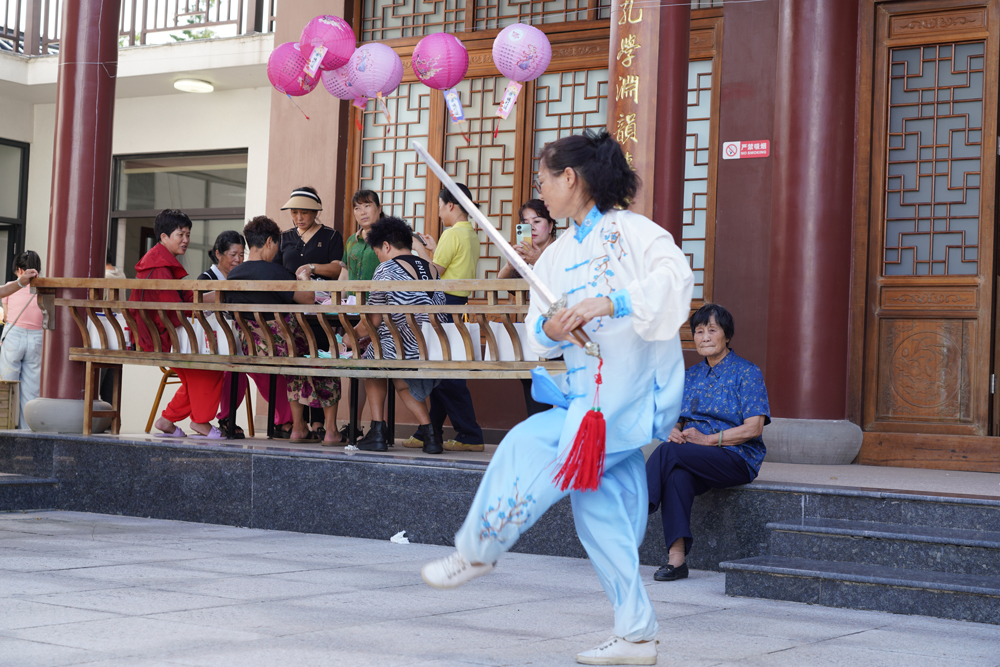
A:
(547, 297)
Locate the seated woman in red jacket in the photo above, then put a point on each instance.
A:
(198, 397)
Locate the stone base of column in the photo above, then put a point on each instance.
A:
(62, 415)
(812, 441)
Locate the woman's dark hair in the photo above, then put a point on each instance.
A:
(259, 230)
(226, 240)
(311, 190)
(449, 198)
(169, 220)
(541, 210)
(394, 230)
(600, 162)
(367, 197)
(28, 259)
(110, 257)
(704, 315)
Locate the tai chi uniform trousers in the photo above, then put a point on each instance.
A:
(611, 521)
(679, 472)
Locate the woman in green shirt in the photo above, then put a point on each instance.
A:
(360, 259)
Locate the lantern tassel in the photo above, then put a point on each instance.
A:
(463, 127)
(385, 109)
(296, 105)
(584, 465)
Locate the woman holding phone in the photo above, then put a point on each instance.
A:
(533, 216)
(536, 231)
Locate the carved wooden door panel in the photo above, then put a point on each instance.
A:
(930, 274)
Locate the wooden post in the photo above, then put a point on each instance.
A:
(647, 102)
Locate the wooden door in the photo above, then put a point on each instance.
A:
(929, 320)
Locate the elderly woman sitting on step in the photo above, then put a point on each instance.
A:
(717, 440)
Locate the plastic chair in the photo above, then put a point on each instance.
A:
(170, 377)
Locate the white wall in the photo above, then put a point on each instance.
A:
(17, 119)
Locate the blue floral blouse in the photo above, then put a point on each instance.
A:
(723, 397)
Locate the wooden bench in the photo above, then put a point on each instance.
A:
(505, 302)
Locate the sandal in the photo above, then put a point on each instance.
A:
(309, 438)
(224, 426)
(281, 433)
(346, 431)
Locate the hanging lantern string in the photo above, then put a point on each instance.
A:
(296, 106)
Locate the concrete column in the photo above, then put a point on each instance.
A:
(81, 172)
(811, 209)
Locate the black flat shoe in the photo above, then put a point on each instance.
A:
(671, 573)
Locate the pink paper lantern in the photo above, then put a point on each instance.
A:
(440, 60)
(374, 69)
(333, 33)
(521, 52)
(286, 71)
(335, 82)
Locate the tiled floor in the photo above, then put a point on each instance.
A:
(102, 590)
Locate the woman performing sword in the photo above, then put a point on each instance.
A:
(628, 287)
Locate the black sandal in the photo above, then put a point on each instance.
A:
(226, 424)
(281, 433)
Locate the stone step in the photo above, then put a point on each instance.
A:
(943, 510)
(867, 587)
(22, 492)
(955, 550)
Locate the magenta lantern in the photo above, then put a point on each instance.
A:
(331, 33)
(286, 71)
(440, 60)
(374, 70)
(521, 52)
(335, 82)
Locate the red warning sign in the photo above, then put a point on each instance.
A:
(741, 150)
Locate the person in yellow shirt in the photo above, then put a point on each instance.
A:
(456, 254)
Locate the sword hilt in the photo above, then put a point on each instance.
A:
(589, 346)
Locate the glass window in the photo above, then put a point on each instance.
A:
(10, 180)
(210, 188)
(156, 183)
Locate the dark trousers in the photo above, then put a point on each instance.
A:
(677, 473)
(451, 398)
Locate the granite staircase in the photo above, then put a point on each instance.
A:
(895, 552)
(23, 492)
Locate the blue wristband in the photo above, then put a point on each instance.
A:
(622, 303)
(540, 334)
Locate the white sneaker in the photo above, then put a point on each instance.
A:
(617, 651)
(452, 572)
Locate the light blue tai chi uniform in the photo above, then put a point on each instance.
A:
(634, 262)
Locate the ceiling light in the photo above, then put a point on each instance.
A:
(193, 86)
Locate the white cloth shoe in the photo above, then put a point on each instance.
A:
(452, 572)
(617, 651)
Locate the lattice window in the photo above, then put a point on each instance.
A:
(934, 160)
(567, 103)
(493, 14)
(381, 20)
(388, 165)
(695, 232)
(486, 165)
(705, 4)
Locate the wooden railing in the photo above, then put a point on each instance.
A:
(84, 299)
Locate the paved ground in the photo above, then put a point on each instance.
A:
(104, 590)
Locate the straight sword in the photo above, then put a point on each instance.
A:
(549, 299)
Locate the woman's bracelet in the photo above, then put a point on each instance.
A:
(720, 438)
(18, 281)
